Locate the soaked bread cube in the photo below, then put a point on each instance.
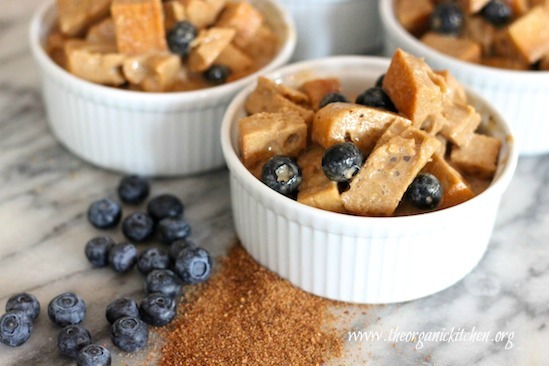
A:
(454, 90)
(174, 12)
(102, 32)
(76, 15)
(472, 6)
(480, 31)
(234, 59)
(242, 17)
(207, 46)
(316, 89)
(203, 13)
(519, 7)
(478, 156)
(460, 48)
(55, 47)
(461, 121)
(263, 45)
(153, 72)
(414, 14)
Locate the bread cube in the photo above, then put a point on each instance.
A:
(174, 12)
(242, 17)
(76, 15)
(55, 47)
(478, 156)
(262, 46)
(460, 48)
(236, 60)
(519, 7)
(472, 6)
(102, 32)
(480, 31)
(461, 120)
(152, 72)
(203, 13)
(207, 46)
(414, 14)
(455, 92)
(316, 89)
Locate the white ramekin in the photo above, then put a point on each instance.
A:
(335, 27)
(351, 258)
(520, 96)
(154, 134)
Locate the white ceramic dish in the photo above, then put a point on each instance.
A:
(520, 96)
(351, 258)
(154, 134)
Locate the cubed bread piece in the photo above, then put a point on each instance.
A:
(362, 125)
(153, 72)
(472, 6)
(264, 135)
(207, 46)
(316, 89)
(203, 13)
(395, 128)
(263, 46)
(480, 31)
(242, 17)
(174, 12)
(76, 15)
(55, 47)
(478, 156)
(519, 7)
(386, 174)
(455, 92)
(98, 63)
(102, 32)
(139, 26)
(316, 189)
(236, 60)
(460, 48)
(506, 63)
(461, 120)
(414, 14)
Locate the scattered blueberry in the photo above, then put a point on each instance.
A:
(165, 205)
(193, 265)
(15, 328)
(342, 161)
(133, 189)
(497, 12)
(379, 81)
(282, 174)
(425, 192)
(120, 308)
(332, 98)
(152, 258)
(104, 213)
(138, 226)
(72, 339)
(217, 74)
(93, 355)
(163, 281)
(97, 250)
(447, 18)
(122, 257)
(26, 303)
(177, 246)
(157, 309)
(171, 229)
(377, 98)
(67, 309)
(129, 334)
(179, 38)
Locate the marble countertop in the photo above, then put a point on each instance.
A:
(497, 315)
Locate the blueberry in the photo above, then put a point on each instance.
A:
(26, 303)
(377, 98)
(379, 81)
(193, 265)
(72, 339)
(129, 334)
(138, 226)
(332, 98)
(342, 161)
(425, 192)
(165, 205)
(177, 246)
(179, 38)
(93, 355)
(217, 74)
(171, 229)
(67, 309)
(122, 257)
(163, 281)
(282, 174)
(133, 189)
(120, 308)
(447, 18)
(15, 328)
(152, 258)
(497, 12)
(97, 250)
(104, 213)
(157, 309)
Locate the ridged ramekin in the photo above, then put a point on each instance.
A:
(520, 96)
(351, 258)
(154, 134)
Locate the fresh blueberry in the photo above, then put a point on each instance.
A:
(179, 38)
(157, 309)
(497, 12)
(165, 205)
(447, 18)
(332, 98)
(104, 213)
(138, 226)
(193, 265)
(163, 281)
(379, 81)
(133, 189)
(120, 308)
(26, 303)
(342, 161)
(152, 258)
(217, 74)
(377, 98)
(15, 328)
(67, 309)
(122, 257)
(72, 339)
(425, 192)
(94, 355)
(97, 250)
(177, 246)
(129, 334)
(171, 229)
(282, 174)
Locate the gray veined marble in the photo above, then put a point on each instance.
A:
(497, 315)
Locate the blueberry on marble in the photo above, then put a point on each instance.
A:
(171, 229)
(71, 339)
(163, 281)
(67, 309)
(341, 162)
(15, 328)
(425, 192)
(104, 213)
(133, 189)
(94, 355)
(97, 250)
(164, 205)
(26, 303)
(177, 246)
(282, 174)
(151, 259)
(122, 307)
(129, 334)
(217, 74)
(122, 257)
(193, 265)
(180, 36)
(447, 18)
(332, 98)
(157, 309)
(138, 226)
(377, 98)
(497, 12)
